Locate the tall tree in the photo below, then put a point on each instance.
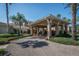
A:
(65, 19)
(69, 20)
(74, 7)
(7, 15)
(20, 19)
(59, 16)
(74, 11)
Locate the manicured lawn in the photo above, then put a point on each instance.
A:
(64, 40)
(7, 35)
(6, 38)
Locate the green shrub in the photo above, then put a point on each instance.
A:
(64, 35)
(7, 35)
(2, 52)
(63, 40)
(4, 41)
(6, 38)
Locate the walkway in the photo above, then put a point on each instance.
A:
(40, 47)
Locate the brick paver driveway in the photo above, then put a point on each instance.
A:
(40, 47)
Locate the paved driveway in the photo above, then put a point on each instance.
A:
(40, 47)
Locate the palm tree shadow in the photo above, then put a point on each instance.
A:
(34, 44)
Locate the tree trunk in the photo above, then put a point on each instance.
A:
(74, 10)
(7, 17)
(57, 30)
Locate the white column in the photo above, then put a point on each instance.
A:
(57, 29)
(31, 30)
(23, 24)
(48, 29)
(66, 28)
(37, 31)
(62, 28)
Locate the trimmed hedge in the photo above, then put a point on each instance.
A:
(63, 40)
(7, 35)
(6, 38)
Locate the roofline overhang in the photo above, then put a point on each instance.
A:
(48, 17)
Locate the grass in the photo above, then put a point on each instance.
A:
(63, 40)
(7, 35)
(6, 38)
(2, 52)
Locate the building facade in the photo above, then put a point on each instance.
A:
(49, 25)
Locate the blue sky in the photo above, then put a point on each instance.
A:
(35, 11)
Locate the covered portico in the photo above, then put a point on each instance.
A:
(50, 24)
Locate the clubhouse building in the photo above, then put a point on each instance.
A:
(49, 26)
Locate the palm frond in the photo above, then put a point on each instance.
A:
(19, 18)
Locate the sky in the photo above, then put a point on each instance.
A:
(35, 11)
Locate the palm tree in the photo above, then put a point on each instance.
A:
(59, 16)
(7, 15)
(19, 18)
(66, 25)
(69, 20)
(65, 19)
(74, 7)
(74, 11)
